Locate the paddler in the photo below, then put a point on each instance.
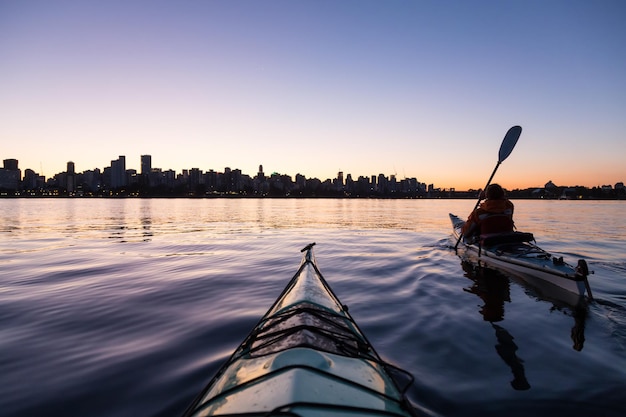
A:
(493, 215)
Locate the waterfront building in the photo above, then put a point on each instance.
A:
(195, 179)
(10, 175)
(146, 164)
(349, 184)
(339, 181)
(118, 172)
(70, 179)
(11, 164)
(30, 180)
(92, 180)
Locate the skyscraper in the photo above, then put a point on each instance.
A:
(11, 164)
(118, 172)
(260, 175)
(10, 175)
(70, 185)
(146, 164)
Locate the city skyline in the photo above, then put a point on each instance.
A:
(416, 89)
(118, 168)
(120, 176)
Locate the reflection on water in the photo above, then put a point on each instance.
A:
(118, 228)
(507, 349)
(146, 219)
(71, 222)
(144, 299)
(493, 288)
(578, 331)
(579, 313)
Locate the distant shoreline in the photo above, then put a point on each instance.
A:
(280, 190)
(298, 197)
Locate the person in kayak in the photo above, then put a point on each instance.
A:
(493, 215)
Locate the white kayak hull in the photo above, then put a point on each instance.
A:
(306, 357)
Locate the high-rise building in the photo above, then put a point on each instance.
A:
(349, 183)
(92, 180)
(11, 164)
(260, 184)
(339, 181)
(70, 185)
(10, 175)
(195, 178)
(146, 164)
(30, 180)
(118, 172)
(236, 180)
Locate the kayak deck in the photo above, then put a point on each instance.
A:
(527, 261)
(306, 357)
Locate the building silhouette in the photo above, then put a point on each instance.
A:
(146, 164)
(10, 175)
(116, 180)
(70, 181)
(118, 172)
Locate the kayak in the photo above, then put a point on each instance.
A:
(306, 357)
(517, 253)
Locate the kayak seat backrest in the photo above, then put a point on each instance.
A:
(495, 223)
(492, 239)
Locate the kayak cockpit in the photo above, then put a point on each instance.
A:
(493, 239)
(306, 325)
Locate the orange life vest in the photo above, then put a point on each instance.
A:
(492, 216)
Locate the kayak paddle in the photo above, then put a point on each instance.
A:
(508, 143)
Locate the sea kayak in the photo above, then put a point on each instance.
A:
(305, 357)
(517, 253)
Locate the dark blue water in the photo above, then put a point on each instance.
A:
(128, 307)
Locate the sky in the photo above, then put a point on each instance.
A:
(416, 89)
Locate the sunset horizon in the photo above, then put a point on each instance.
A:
(416, 90)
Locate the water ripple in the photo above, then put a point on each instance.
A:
(128, 307)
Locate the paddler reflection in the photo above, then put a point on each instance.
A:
(506, 348)
(493, 289)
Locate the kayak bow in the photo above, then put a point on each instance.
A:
(518, 254)
(305, 357)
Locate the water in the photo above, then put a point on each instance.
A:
(127, 307)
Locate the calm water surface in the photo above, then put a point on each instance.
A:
(127, 307)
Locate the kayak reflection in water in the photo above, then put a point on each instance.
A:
(579, 313)
(578, 331)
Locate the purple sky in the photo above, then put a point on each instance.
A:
(423, 89)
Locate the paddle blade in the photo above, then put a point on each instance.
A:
(510, 139)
